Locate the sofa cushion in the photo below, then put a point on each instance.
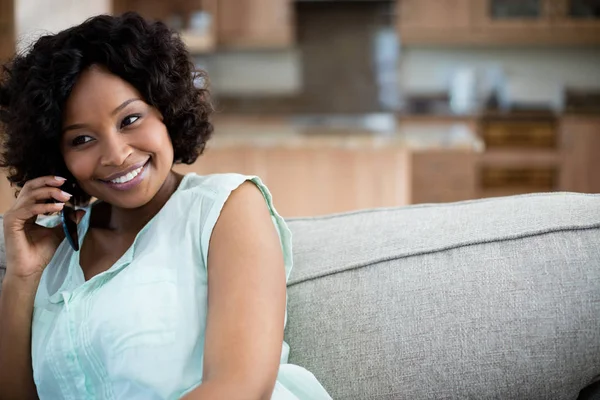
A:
(494, 298)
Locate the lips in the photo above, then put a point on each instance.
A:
(128, 182)
(125, 171)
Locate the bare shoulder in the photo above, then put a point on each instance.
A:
(247, 197)
(245, 223)
(245, 204)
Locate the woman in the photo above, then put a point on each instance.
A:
(178, 289)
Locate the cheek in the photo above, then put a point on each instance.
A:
(157, 140)
(80, 165)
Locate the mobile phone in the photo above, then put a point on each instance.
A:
(67, 216)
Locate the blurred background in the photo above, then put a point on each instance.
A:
(342, 105)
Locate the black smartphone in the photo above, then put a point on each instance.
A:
(67, 216)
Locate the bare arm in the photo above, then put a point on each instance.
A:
(29, 249)
(246, 302)
(16, 310)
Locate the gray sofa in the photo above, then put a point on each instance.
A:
(485, 299)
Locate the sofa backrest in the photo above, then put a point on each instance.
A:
(494, 298)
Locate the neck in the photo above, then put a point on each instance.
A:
(131, 221)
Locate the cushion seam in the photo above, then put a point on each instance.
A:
(444, 248)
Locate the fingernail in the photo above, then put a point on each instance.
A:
(60, 205)
(66, 194)
(60, 178)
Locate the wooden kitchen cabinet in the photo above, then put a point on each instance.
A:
(502, 15)
(522, 154)
(255, 23)
(438, 15)
(442, 176)
(577, 13)
(165, 10)
(499, 22)
(539, 21)
(316, 181)
(577, 20)
(581, 149)
(7, 29)
(199, 34)
(232, 24)
(431, 21)
(7, 50)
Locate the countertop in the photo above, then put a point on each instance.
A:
(283, 132)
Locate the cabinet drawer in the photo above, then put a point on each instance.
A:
(533, 178)
(528, 134)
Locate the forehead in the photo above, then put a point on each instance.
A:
(97, 91)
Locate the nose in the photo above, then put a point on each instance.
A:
(115, 150)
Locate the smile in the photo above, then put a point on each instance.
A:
(128, 177)
(128, 180)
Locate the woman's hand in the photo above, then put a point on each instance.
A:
(30, 247)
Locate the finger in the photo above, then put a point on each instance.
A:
(24, 214)
(36, 183)
(47, 193)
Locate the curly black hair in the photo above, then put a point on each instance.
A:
(35, 86)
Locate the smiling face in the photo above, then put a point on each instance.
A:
(115, 144)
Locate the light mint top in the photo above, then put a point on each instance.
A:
(136, 331)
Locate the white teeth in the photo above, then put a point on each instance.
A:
(129, 176)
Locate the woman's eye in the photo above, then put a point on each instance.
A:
(79, 140)
(128, 120)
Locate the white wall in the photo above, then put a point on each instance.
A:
(267, 73)
(35, 18)
(428, 69)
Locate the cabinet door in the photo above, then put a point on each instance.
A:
(579, 19)
(255, 23)
(441, 176)
(581, 163)
(308, 181)
(434, 14)
(434, 22)
(511, 14)
(7, 29)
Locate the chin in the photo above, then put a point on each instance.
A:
(123, 199)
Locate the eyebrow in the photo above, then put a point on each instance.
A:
(116, 110)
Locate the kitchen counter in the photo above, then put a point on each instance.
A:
(282, 132)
